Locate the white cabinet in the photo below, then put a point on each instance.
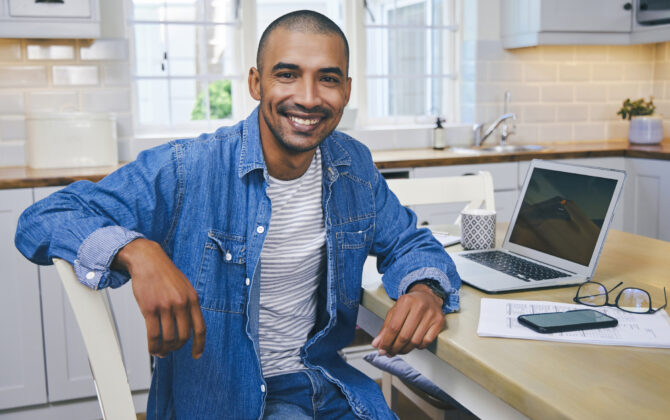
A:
(647, 200)
(38, 326)
(505, 185)
(22, 377)
(50, 19)
(526, 23)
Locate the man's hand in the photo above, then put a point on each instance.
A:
(168, 302)
(413, 322)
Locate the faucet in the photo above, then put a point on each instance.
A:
(480, 138)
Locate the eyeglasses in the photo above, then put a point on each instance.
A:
(630, 299)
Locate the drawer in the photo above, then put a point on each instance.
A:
(505, 175)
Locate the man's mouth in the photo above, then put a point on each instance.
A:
(304, 121)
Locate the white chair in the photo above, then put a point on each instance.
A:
(476, 190)
(96, 323)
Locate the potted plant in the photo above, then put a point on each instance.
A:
(645, 127)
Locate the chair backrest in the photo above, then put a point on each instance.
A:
(96, 323)
(476, 190)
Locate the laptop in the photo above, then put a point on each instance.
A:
(556, 233)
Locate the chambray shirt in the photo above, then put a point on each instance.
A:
(204, 201)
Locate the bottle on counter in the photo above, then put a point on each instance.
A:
(439, 135)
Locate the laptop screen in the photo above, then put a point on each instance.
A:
(562, 214)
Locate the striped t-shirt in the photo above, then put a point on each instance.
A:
(292, 265)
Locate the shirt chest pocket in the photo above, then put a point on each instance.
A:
(352, 250)
(221, 278)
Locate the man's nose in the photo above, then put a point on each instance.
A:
(308, 94)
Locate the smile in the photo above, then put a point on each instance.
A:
(304, 121)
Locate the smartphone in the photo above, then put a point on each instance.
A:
(581, 319)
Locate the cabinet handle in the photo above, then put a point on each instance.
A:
(50, 1)
(627, 6)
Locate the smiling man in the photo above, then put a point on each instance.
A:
(249, 243)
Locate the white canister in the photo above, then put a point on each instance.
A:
(646, 129)
(71, 139)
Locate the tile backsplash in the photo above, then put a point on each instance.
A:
(563, 93)
(61, 76)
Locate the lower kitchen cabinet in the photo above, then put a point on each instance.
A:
(647, 200)
(45, 371)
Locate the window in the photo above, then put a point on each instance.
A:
(191, 57)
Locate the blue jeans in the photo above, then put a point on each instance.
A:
(306, 394)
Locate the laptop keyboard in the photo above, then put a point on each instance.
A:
(514, 266)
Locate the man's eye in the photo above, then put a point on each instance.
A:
(329, 79)
(285, 75)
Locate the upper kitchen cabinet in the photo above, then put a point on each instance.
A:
(527, 23)
(50, 18)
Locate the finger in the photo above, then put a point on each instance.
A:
(393, 325)
(183, 321)
(168, 330)
(153, 333)
(418, 338)
(199, 330)
(404, 337)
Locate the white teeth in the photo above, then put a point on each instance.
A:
(303, 121)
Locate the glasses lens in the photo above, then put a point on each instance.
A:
(592, 294)
(634, 300)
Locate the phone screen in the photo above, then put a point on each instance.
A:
(567, 321)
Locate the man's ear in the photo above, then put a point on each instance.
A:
(347, 90)
(255, 83)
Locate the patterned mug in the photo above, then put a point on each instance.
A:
(478, 229)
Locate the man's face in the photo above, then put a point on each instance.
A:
(303, 88)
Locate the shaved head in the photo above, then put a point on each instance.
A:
(305, 21)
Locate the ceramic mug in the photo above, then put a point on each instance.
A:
(478, 229)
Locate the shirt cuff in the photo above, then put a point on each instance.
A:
(451, 302)
(96, 253)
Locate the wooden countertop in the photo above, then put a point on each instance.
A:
(23, 177)
(549, 380)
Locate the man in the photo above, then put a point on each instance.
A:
(259, 232)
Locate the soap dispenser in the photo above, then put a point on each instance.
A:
(439, 135)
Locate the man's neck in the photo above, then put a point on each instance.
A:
(287, 166)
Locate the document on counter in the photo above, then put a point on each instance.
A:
(498, 318)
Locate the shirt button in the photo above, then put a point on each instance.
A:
(260, 229)
(90, 275)
(76, 261)
(247, 281)
(262, 388)
(228, 256)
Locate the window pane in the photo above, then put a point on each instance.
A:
(150, 50)
(183, 49)
(184, 95)
(152, 96)
(222, 47)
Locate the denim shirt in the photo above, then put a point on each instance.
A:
(204, 201)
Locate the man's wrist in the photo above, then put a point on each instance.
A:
(433, 286)
(127, 256)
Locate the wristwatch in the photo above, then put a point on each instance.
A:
(434, 287)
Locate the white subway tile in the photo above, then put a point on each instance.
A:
(662, 70)
(660, 51)
(645, 89)
(617, 130)
(604, 112)
(505, 72)
(10, 50)
(53, 101)
(658, 89)
(540, 72)
(490, 92)
(539, 113)
(607, 72)
(663, 108)
(524, 93)
(11, 103)
(555, 132)
(574, 72)
(571, 113)
(106, 100)
(647, 52)
(620, 91)
(23, 76)
(589, 131)
(557, 93)
(45, 50)
(560, 53)
(75, 75)
(490, 50)
(638, 71)
(624, 53)
(525, 133)
(105, 49)
(591, 92)
(587, 53)
(667, 90)
(12, 153)
(12, 128)
(116, 74)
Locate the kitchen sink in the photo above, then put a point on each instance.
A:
(507, 148)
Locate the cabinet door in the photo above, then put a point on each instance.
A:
(65, 8)
(585, 16)
(22, 378)
(68, 372)
(648, 198)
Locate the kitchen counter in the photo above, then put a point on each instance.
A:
(23, 177)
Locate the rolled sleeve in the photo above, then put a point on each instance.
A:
(96, 253)
(451, 302)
